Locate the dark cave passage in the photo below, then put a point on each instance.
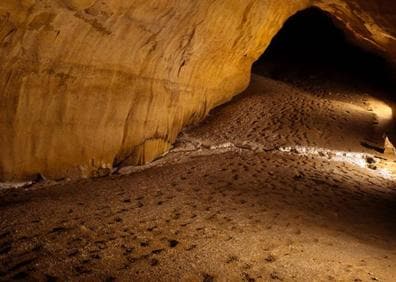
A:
(312, 52)
(311, 46)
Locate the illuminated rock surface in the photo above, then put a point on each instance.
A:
(86, 85)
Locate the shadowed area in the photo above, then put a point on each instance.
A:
(312, 52)
(311, 45)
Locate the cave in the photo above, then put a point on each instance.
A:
(312, 44)
(197, 140)
(313, 51)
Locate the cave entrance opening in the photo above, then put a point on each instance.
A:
(311, 45)
(313, 53)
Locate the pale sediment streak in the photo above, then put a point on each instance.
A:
(363, 160)
(195, 147)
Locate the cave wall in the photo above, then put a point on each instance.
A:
(369, 23)
(88, 84)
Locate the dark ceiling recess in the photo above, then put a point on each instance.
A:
(311, 45)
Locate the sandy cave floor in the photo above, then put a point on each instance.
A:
(273, 186)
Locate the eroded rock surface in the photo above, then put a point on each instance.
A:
(371, 23)
(86, 85)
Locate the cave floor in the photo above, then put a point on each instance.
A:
(275, 185)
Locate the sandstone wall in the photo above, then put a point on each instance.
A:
(371, 23)
(88, 84)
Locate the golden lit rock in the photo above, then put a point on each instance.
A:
(86, 85)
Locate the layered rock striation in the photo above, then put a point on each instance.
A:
(86, 85)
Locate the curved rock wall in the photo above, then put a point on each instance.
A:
(86, 84)
(371, 23)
